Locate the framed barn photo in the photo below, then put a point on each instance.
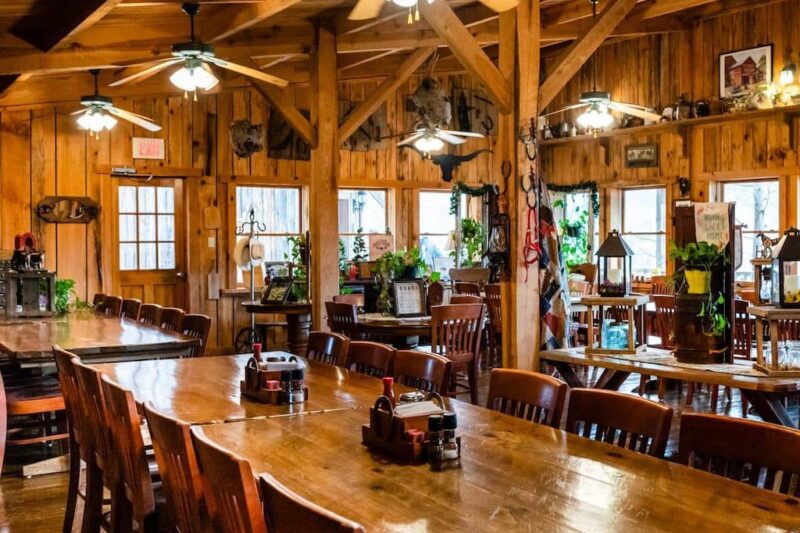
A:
(741, 70)
(641, 155)
(278, 291)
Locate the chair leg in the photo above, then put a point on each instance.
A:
(74, 483)
(714, 397)
(643, 384)
(93, 502)
(745, 406)
(662, 388)
(472, 371)
(121, 511)
(690, 392)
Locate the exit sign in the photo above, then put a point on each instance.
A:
(148, 148)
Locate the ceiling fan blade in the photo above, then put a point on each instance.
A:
(636, 111)
(146, 73)
(464, 133)
(500, 5)
(446, 137)
(247, 71)
(366, 9)
(139, 120)
(563, 109)
(79, 112)
(410, 140)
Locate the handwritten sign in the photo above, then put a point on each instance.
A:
(379, 244)
(148, 148)
(711, 223)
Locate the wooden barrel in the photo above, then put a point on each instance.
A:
(691, 344)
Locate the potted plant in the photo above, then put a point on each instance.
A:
(698, 259)
(359, 251)
(415, 266)
(387, 267)
(472, 239)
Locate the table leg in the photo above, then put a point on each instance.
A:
(568, 374)
(298, 326)
(611, 379)
(769, 407)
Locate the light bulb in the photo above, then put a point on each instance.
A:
(428, 144)
(96, 120)
(109, 121)
(787, 74)
(193, 76)
(405, 3)
(596, 117)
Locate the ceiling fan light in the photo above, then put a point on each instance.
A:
(428, 144)
(93, 121)
(109, 121)
(596, 117)
(192, 76)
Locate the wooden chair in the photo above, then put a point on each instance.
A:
(422, 370)
(229, 488)
(342, 318)
(98, 299)
(435, 295)
(180, 475)
(494, 308)
(659, 285)
(467, 288)
(198, 327)
(132, 497)
(587, 270)
(171, 318)
(743, 450)
(131, 308)
(527, 395)
(150, 314)
(742, 329)
(111, 306)
(456, 334)
(470, 275)
(459, 299)
(619, 419)
(328, 348)
(665, 316)
(370, 358)
(287, 512)
(352, 299)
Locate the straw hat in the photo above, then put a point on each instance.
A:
(246, 249)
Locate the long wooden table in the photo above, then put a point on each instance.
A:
(515, 476)
(764, 393)
(206, 389)
(91, 336)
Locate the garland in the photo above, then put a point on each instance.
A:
(462, 188)
(582, 186)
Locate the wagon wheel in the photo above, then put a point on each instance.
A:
(245, 339)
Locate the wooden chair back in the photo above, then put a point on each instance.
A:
(131, 308)
(619, 419)
(229, 488)
(458, 299)
(587, 270)
(150, 314)
(759, 454)
(527, 395)
(742, 329)
(370, 358)
(665, 319)
(435, 295)
(98, 299)
(352, 299)
(661, 285)
(111, 306)
(456, 331)
(471, 275)
(68, 381)
(177, 464)
(422, 370)
(342, 318)
(789, 329)
(198, 327)
(579, 287)
(493, 305)
(93, 414)
(131, 468)
(466, 288)
(287, 512)
(617, 312)
(328, 348)
(171, 318)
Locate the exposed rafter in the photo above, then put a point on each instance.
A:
(235, 18)
(286, 108)
(580, 9)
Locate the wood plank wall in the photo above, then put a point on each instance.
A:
(42, 152)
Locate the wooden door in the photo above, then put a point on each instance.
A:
(150, 249)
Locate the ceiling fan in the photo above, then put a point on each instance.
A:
(195, 59)
(96, 115)
(597, 116)
(370, 9)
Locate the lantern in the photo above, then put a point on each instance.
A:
(786, 270)
(614, 266)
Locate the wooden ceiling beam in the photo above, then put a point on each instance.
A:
(386, 89)
(62, 20)
(405, 39)
(580, 9)
(627, 28)
(466, 48)
(582, 49)
(285, 107)
(235, 18)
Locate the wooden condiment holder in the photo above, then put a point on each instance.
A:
(387, 432)
(254, 385)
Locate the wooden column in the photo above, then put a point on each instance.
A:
(324, 212)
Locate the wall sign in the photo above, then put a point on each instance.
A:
(641, 155)
(148, 148)
(711, 223)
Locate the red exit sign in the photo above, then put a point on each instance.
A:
(148, 148)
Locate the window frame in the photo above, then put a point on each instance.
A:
(664, 232)
(137, 213)
(385, 214)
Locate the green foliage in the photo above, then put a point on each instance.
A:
(584, 186)
(392, 265)
(299, 270)
(697, 254)
(359, 247)
(472, 238)
(574, 236)
(462, 188)
(713, 314)
(65, 290)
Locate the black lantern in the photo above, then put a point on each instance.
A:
(786, 270)
(614, 266)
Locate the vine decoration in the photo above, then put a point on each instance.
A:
(591, 186)
(462, 188)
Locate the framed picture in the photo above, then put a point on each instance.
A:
(278, 291)
(409, 298)
(641, 155)
(740, 70)
(379, 244)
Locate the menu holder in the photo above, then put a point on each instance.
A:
(400, 436)
(256, 385)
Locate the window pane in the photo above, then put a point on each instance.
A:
(166, 255)
(364, 209)
(275, 248)
(147, 256)
(166, 227)
(127, 228)
(277, 208)
(434, 213)
(147, 199)
(756, 204)
(166, 200)
(644, 210)
(433, 246)
(649, 254)
(127, 256)
(127, 199)
(147, 227)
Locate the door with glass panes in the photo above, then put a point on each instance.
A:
(149, 256)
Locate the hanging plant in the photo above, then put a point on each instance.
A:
(460, 188)
(584, 186)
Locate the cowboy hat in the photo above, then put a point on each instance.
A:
(247, 250)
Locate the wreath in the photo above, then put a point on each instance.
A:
(583, 186)
(462, 188)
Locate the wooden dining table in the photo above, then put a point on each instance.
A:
(402, 333)
(515, 476)
(298, 320)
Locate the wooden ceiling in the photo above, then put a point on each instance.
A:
(44, 42)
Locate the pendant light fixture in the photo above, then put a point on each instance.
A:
(193, 74)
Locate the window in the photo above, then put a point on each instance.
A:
(146, 227)
(365, 209)
(757, 209)
(576, 219)
(644, 229)
(436, 226)
(278, 208)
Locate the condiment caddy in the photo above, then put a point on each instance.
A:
(279, 379)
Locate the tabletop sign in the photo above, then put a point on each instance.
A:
(711, 223)
(379, 244)
(148, 148)
(409, 298)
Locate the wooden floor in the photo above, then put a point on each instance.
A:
(36, 505)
